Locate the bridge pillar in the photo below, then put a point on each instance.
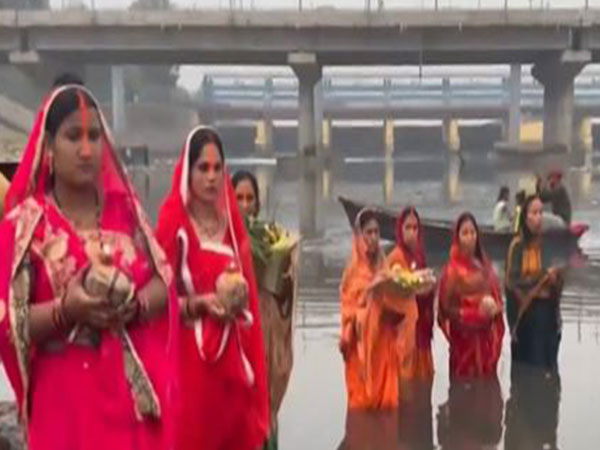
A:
(452, 179)
(557, 74)
(326, 148)
(309, 73)
(514, 107)
(451, 134)
(585, 137)
(388, 178)
(264, 173)
(118, 102)
(263, 140)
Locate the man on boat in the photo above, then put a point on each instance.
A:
(501, 217)
(556, 194)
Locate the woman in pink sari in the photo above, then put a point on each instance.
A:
(85, 337)
(222, 364)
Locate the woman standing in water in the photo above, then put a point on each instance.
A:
(533, 290)
(371, 319)
(276, 305)
(409, 254)
(470, 308)
(86, 339)
(222, 364)
(360, 272)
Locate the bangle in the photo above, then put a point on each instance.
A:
(59, 316)
(188, 312)
(143, 304)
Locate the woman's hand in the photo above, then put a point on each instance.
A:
(196, 306)
(81, 307)
(554, 275)
(346, 340)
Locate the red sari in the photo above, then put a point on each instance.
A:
(475, 339)
(77, 393)
(222, 364)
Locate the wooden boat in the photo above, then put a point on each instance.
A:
(438, 234)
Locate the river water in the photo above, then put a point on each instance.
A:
(534, 413)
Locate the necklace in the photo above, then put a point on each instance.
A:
(209, 229)
(104, 248)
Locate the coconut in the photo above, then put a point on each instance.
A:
(232, 290)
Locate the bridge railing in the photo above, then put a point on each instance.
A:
(310, 5)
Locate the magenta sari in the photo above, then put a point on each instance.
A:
(114, 391)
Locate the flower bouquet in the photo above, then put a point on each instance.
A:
(272, 248)
(409, 282)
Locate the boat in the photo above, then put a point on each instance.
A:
(564, 242)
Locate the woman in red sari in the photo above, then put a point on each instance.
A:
(222, 362)
(85, 337)
(470, 308)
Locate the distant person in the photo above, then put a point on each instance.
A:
(519, 202)
(501, 217)
(555, 193)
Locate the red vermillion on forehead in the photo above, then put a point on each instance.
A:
(85, 122)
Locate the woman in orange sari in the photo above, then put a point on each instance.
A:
(470, 308)
(409, 254)
(365, 263)
(371, 319)
(222, 363)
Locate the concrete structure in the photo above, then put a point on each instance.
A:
(558, 42)
(309, 72)
(557, 74)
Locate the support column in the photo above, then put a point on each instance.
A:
(452, 181)
(263, 140)
(557, 73)
(585, 137)
(451, 134)
(514, 108)
(264, 173)
(118, 102)
(326, 147)
(309, 73)
(388, 178)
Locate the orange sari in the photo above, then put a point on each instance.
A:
(406, 344)
(414, 340)
(370, 323)
(357, 278)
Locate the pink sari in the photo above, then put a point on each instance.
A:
(112, 390)
(222, 364)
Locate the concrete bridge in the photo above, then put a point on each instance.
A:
(559, 43)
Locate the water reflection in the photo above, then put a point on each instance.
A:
(409, 427)
(532, 410)
(472, 417)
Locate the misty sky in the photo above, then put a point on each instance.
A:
(191, 76)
